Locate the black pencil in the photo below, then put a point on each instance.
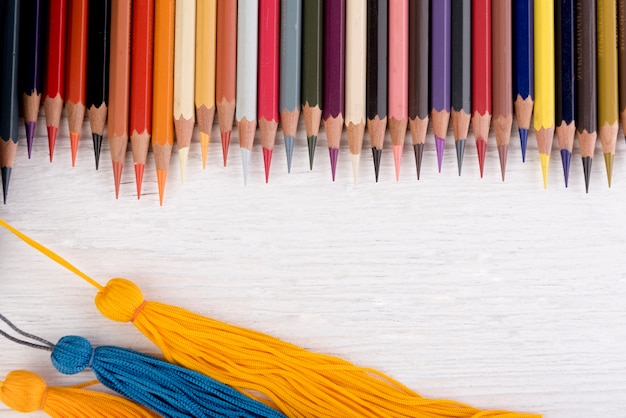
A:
(461, 74)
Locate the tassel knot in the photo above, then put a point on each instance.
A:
(72, 354)
(120, 300)
(23, 391)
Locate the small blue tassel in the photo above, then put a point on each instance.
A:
(167, 389)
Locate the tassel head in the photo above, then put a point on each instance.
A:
(120, 300)
(72, 354)
(23, 391)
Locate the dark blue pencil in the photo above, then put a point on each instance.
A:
(523, 68)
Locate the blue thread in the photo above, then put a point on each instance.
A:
(167, 389)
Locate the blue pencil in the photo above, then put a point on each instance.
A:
(523, 68)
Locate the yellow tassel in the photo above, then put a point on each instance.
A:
(298, 382)
(25, 391)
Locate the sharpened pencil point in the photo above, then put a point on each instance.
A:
(52, 139)
(117, 176)
(225, 144)
(608, 162)
(587, 171)
(566, 157)
(289, 151)
(397, 159)
(460, 151)
(376, 155)
(139, 169)
(6, 176)
(245, 162)
(481, 149)
(97, 146)
(503, 151)
(545, 163)
(440, 145)
(161, 179)
(418, 150)
(523, 141)
(204, 147)
(183, 156)
(311, 142)
(356, 158)
(74, 137)
(267, 162)
(30, 135)
(333, 153)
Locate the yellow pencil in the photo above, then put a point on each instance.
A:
(608, 107)
(206, 31)
(544, 82)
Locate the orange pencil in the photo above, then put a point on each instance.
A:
(76, 69)
(163, 90)
(141, 86)
(119, 85)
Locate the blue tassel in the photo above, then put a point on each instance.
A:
(167, 389)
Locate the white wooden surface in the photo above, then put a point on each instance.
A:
(500, 295)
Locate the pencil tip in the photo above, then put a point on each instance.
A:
(52, 139)
(225, 144)
(333, 153)
(587, 171)
(418, 150)
(6, 176)
(289, 151)
(245, 162)
(608, 162)
(523, 141)
(376, 155)
(311, 142)
(440, 145)
(139, 169)
(481, 148)
(267, 162)
(397, 159)
(161, 179)
(117, 176)
(183, 156)
(204, 147)
(356, 158)
(97, 146)
(74, 137)
(566, 157)
(503, 152)
(460, 151)
(30, 135)
(545, 163)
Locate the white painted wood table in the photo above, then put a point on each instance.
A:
(499, 295)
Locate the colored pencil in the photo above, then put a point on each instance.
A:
(163, 91)
(355, 97)
(334, 76)
(621, 43)
(9, 111)
(140, 125)
(267, 95)
(544, 82)
(226, 70)
(523, 68)
(440, 70)
(31, 55)
(290, 60)
(419, 23)
(98, 71)
(76, 70)
(565, 78)
(247, 39)
(502, 78)
(460, 74)
(119, 86)
(376, 90)
(608, 112)
(398, 109)
(54, 83)
(184, 63)
(481, 76)
(312, 70)
(206, 38)
(586, 83)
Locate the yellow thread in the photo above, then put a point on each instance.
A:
(50, 254)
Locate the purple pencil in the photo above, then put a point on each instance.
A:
(334, 59)
(440, 72)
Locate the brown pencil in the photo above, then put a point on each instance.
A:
(502, 78)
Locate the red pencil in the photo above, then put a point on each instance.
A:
(268, 81)
(54, 84)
